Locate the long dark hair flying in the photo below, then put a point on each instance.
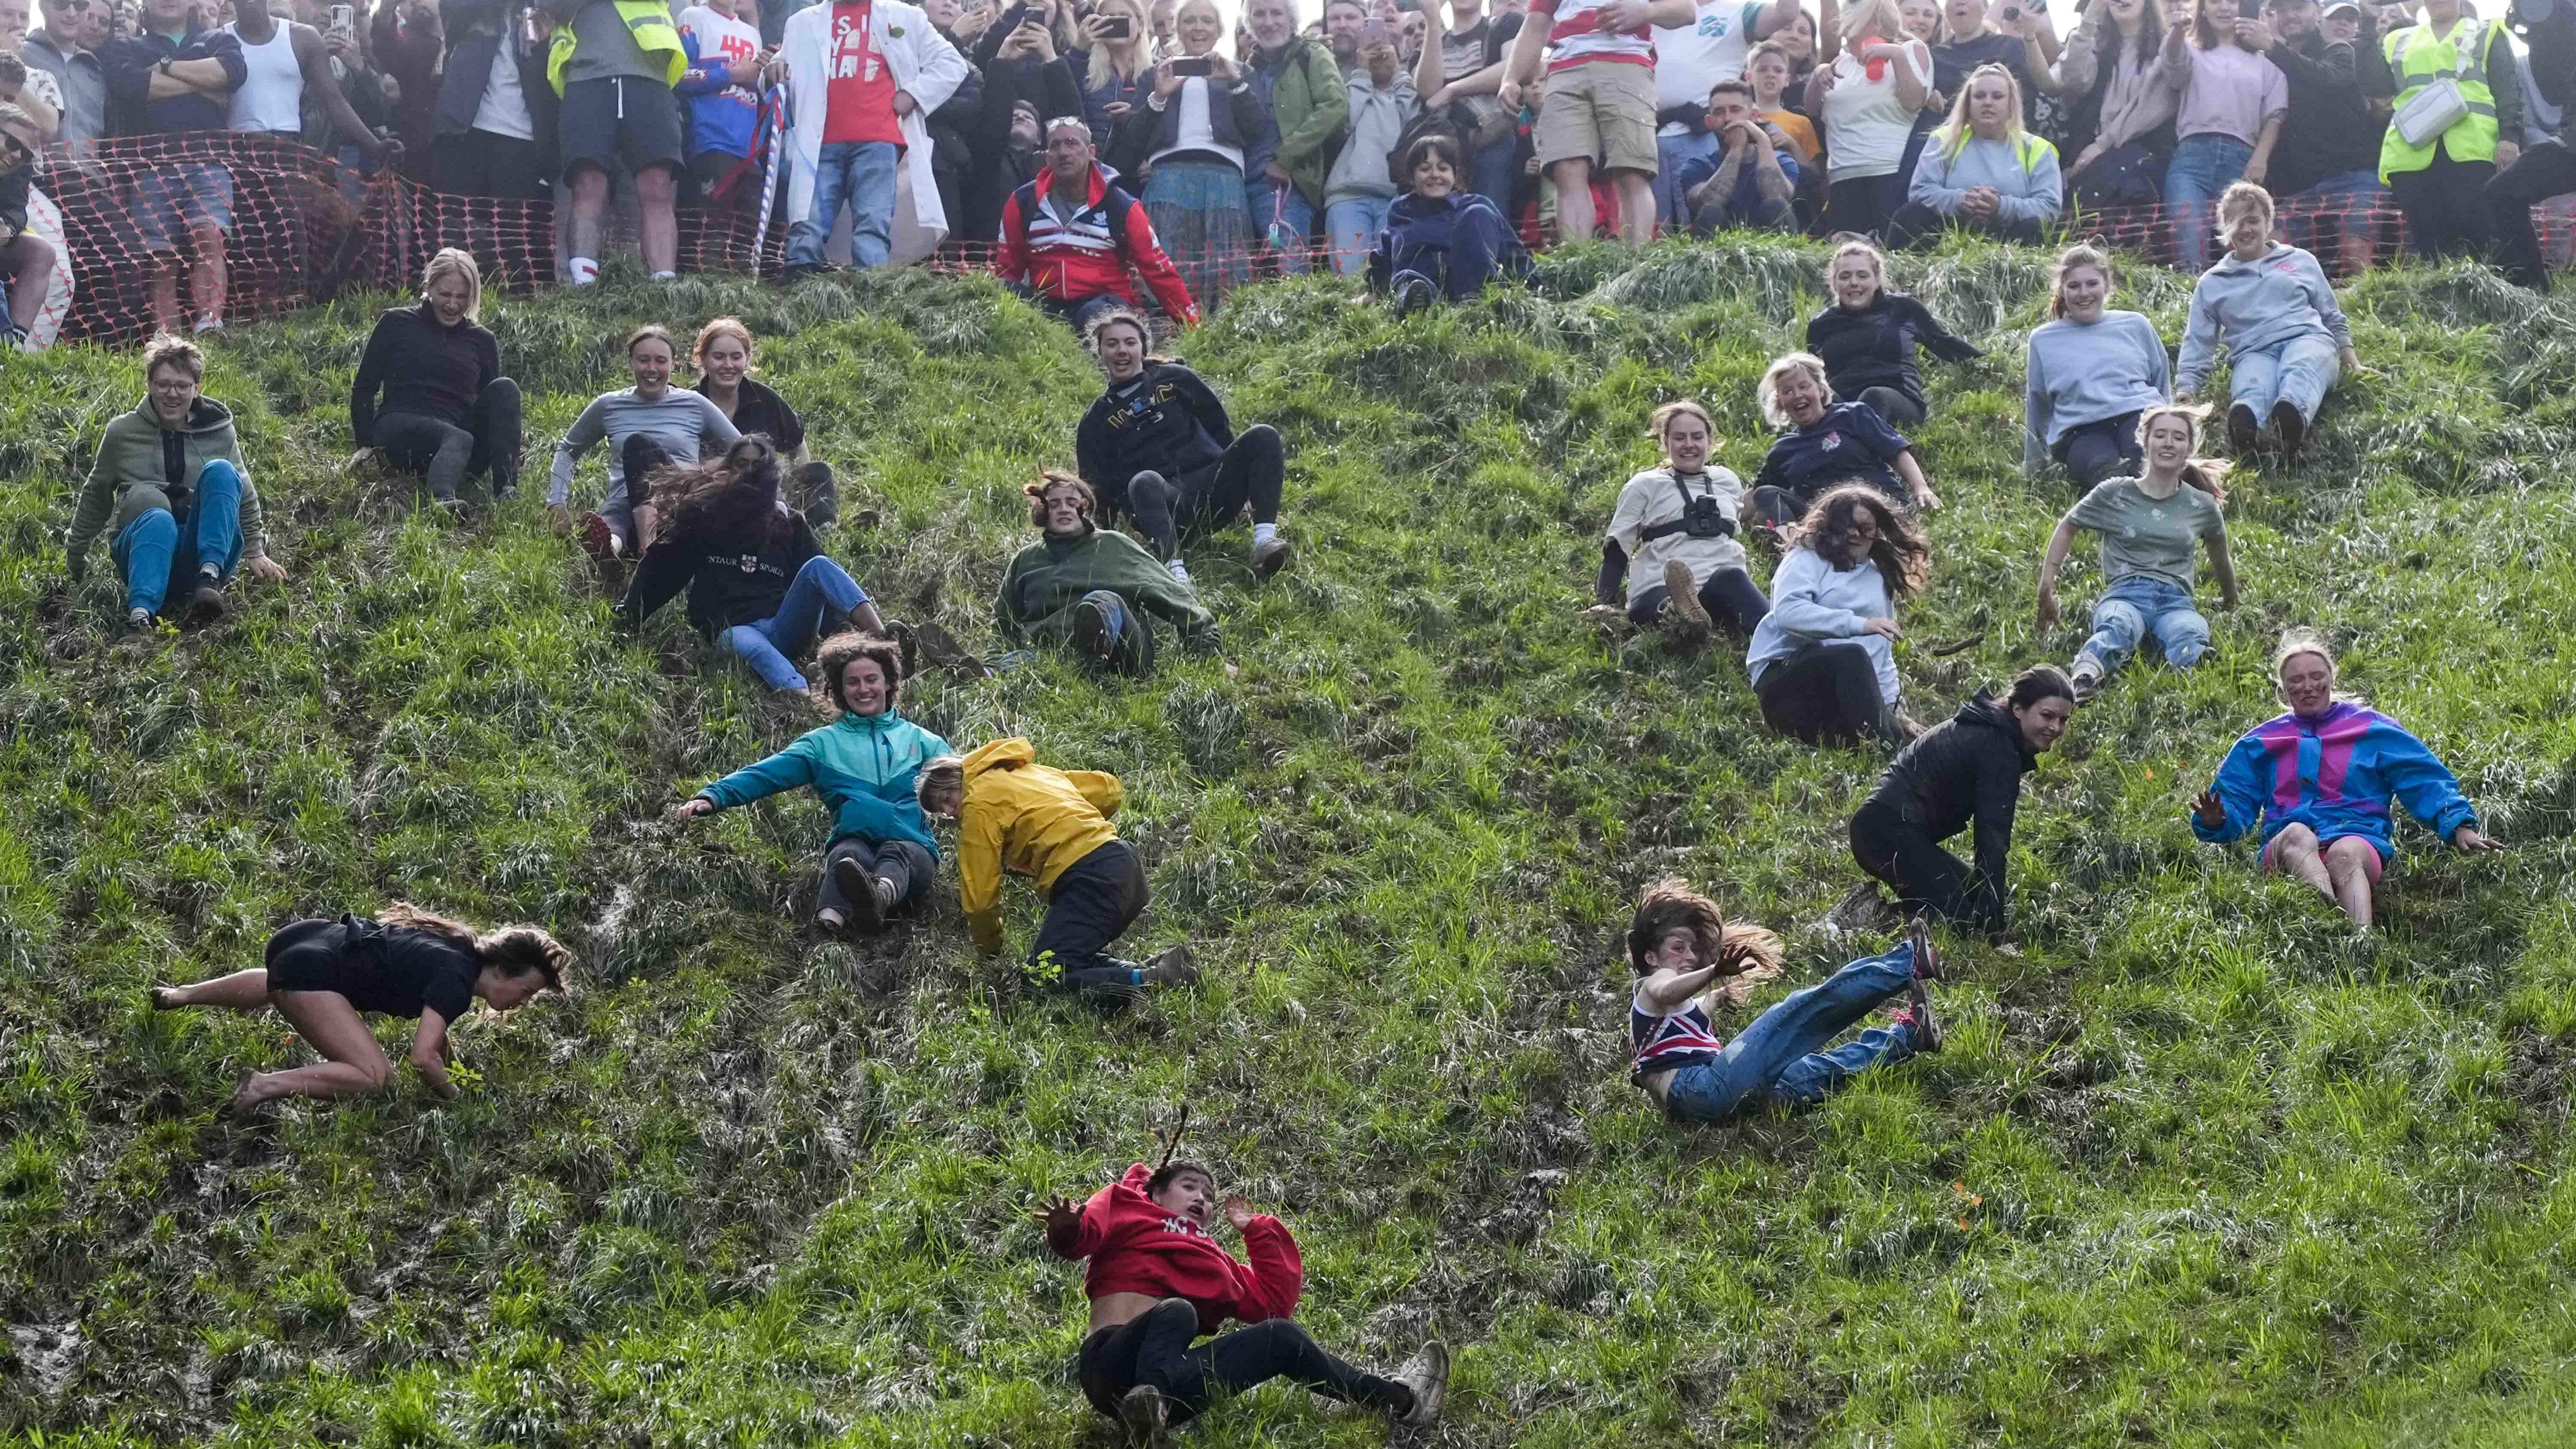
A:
(729, 501)
(1902, 556)
(516, 950)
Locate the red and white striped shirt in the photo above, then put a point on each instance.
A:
(1574, 35)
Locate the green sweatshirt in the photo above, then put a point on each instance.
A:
(1050, 576)
(132, 476)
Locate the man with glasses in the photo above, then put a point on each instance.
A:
(67, 50)
(1070, 234)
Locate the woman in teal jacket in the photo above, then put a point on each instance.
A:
(863, 766)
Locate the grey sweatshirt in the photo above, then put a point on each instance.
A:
(1813, 602)
(1378, 118)
(676, 420)
(1945, 175)
(2257, 306)
(2085, 372)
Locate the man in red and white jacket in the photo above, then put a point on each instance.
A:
(1158, 1279)
(1069, 234)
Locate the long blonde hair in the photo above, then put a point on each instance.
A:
(451, 262)
(1877, 18)
(1104, 69)
(2209, 475)
(1952, 134)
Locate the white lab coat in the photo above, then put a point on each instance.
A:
(925, 67)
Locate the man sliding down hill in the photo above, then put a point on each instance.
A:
(1158, 1279)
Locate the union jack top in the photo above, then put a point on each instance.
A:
(1683, 1039)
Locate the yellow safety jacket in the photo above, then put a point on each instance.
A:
(2417, 60)
(650, 21)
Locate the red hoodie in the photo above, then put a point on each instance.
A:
(1137, 1247)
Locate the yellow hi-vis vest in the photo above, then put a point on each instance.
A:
(2028, 152)
(2418, 60)
(650, 23)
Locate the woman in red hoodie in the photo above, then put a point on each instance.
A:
(1158, 1279)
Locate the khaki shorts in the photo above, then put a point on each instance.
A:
(1602, 111)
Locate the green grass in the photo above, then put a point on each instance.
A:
(2197, 1168)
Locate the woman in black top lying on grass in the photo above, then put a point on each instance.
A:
(323, 975)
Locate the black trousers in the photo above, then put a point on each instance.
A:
(1858, 206)
(1154, 1348)
(1916, 225)
(1924, 876)
(1895, 407)
(2543, 171)
(446, 455)
(818, 495)
(2446, 206)
(1824, 693)
(1091, 905)
(1728, 594)
(2099, 450)
(482, 163)
(910, 867)
(1253, 470)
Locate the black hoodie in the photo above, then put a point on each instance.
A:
(1966, 768)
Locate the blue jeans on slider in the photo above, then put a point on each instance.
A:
(821, 589)
(859, 174)
(1354, 223)
(154, 550)
(2138, 606)
(1782, 1057)
(2297, 372)
(2201, 168)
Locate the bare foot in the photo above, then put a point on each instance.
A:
(246, 1095)
(165, 998)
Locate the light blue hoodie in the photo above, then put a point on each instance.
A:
(2028, 186)
(2088, 372)
(1813, 602)
(863, 767)
(2257, 306)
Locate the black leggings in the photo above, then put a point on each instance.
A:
(2445, 206)
(447, 454)
(1857, 206)
(2098, 450)
(1824, 693)
(910, 867)
(1925, 876)
(1728, 594)
(2544, 171)
(1091, 905)
(1153, 1348)
(1253, 470)
(1899, 410)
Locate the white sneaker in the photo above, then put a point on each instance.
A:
(1427, 1374)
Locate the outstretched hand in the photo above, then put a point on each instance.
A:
(1060, 1214)
(2467, 840)
(267, 570)
(2211, 811)
(692, 808)
(2047, 610)
(1238, 1212)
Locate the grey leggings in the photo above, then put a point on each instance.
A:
(448, 454)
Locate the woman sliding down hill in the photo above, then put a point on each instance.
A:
(647, 428)
(1052, 826)
(2272, 308)
(1158, 1279)
(1093, 586)
(1676, 540)
(2150, 527)
(759, 582)
(447, 413)
(1687, 958)
(1967, 769)
(1823, 660)
(1826, 444)
(1158, 444)
(321, 975)
(2320, 779)
(866, 768)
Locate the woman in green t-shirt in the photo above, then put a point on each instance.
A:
(2149, 526)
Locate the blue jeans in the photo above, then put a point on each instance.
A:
(2201, 168)
(1672, 209)
(1782, 1057)
(2351, 218)
(1355, 223)
(2297, 372)
(2137, 606)
(820, 589)
(1280, 217)
(149, 551)
(1492, 169)
(861, 174)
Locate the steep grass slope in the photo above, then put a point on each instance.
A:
(2196, 1169)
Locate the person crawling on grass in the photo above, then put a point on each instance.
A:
(1965, 771)
(323, 976)
(1158, 444)
(1014, 814)
(1159, 1279)
(2320, 779)
(647, 427)
(866, 768)
(1675, 539)
(2151, 525)
(759, 582)
(170, 479)
(1093, 587)
(1688, 958)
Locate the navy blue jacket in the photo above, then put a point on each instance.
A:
(1460, 242)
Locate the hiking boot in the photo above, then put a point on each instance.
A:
(1175, 967)
(1862, 909)
(2291, 428)
(1412, 297)
(1683, 611)
(2244, 430)
(1927, 961)
(208, 605)
(1269, 557)
(1144, 1413)
(1918, 1015)
(1091, 631)
(2087, 682)
(1427, 1374)
(597, 538)
(867, 908)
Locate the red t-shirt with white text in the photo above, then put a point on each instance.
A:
(861, 104)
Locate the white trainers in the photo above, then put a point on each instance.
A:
(1427, 1374)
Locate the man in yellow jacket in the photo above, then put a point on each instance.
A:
(1052, 826)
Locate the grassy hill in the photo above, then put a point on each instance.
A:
(2197, 1168)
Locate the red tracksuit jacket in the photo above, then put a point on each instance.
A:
(1136, 1247)
(1088, 256)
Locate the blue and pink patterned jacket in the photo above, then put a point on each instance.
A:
(2336, 775)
